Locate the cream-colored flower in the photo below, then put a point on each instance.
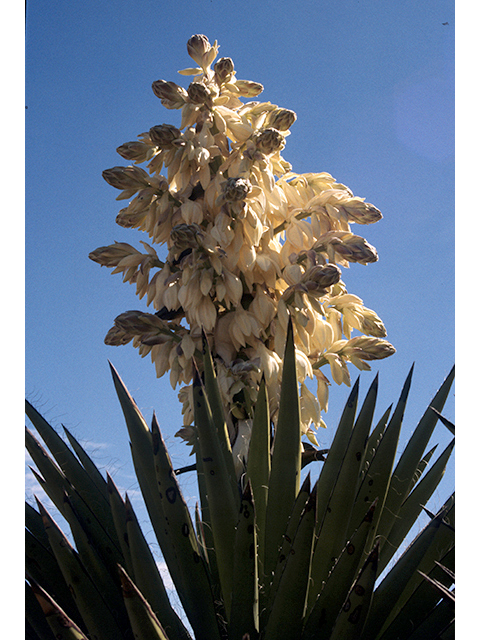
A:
(263, 306)
(338, 367)
(244, 328)
(309, 413)
(322, 389)
(271, 364)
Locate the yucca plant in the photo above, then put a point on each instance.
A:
(264, 557)
(248, 304)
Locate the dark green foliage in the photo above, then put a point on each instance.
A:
(262, 555)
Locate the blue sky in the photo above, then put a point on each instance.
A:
(372, 84)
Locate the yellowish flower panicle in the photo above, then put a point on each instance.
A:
(248, 245)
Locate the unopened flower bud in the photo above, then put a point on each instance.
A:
(186, 236)
(152, 339)
(322, 276)
(139, 323)
(135, 151)
(111, 255)
(355, 249)
(172, 95)
(240, 367)
(359, 211)
(126, 177)
(198, 94)
(198, 47)
(116, 337)
(163, 135)
(248, 89)
(349, 246)
(372, 325)
(236, 189)
(223, 70)
(269, 141)
(367, 348)
(281, 119)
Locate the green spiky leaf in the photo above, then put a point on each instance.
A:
(412, 506)
(145, 625)
(353, 615)
(322, 616)
(90, 601)
(333, 528)
(61, 625)
(403, 477)
(218, 414)
(244, 616)
(284, 482)
(286, 615)
(222, 502)
(259, 464)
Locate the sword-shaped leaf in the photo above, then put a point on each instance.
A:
(36, 627)
(374, 440)
(420, 605)
(403, 477)
(402, 580)
(221, 501)
(34, 523)
(336, 454)
(202, 545)
(61, 625)
(284, 482)
(93, 609)
(203, 625)
(202, 620)
(88, 464)
(450, 426)
(244, 611)
(422, 465)
(333, 532)
(118, 510)
(189, 572)
(145, 625)
(42, 566)
(138, 431)
(218, 414)
(412, 506)
(334, 593)
(269, 591)
(258, 465)
(439, 624)
(377, 478)
(54, 478)
(72, 469)
(206, 526)
(354, 612)
(92, 559)
(285, 619)
(56, 485)
(148, 578)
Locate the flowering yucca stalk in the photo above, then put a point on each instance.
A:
(249, 244)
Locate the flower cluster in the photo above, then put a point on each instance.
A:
(248, 244)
